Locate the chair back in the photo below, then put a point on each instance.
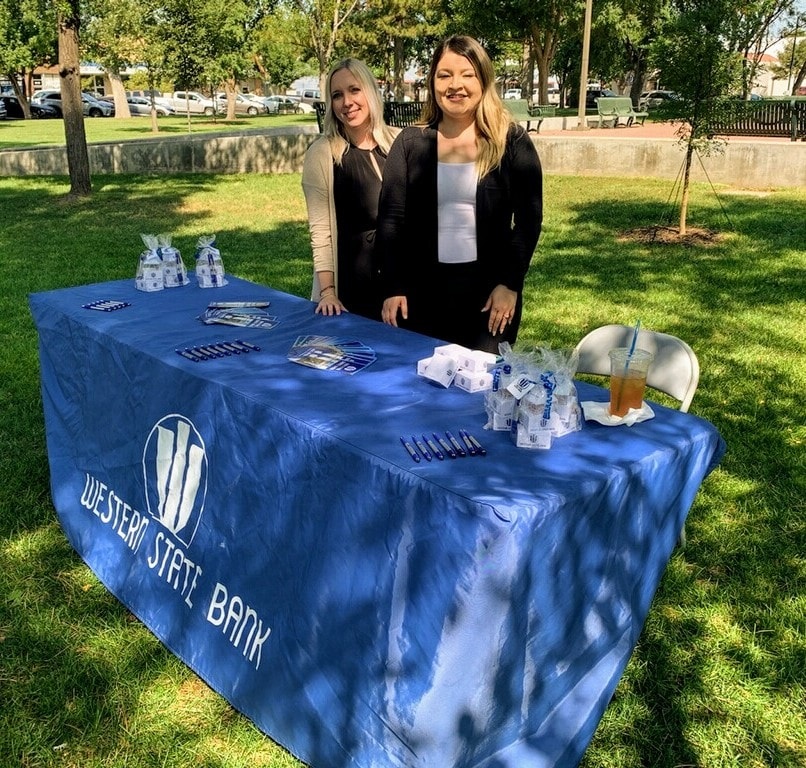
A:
(675, 369)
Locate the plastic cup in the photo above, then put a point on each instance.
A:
(627, 379)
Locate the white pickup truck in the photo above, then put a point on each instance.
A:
(192, 102)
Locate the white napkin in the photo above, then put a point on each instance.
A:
(601, 412)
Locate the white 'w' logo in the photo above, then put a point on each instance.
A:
(175, 466)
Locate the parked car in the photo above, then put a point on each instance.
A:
(282, 105)
(192, 102)
(15, 112)
(244, 105)
(512, 93)
(553, 96)
(92, 107)
(590, 97)
(141, 105)
(653, 99)
(304, 107)
(310, 96)
(3, 111)
(145, 94)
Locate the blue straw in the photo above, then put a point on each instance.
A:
(634, 339)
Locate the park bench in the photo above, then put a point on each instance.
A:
(402, 113)
(397, 113)
(612, 109)
(785, 118)
(522, 113)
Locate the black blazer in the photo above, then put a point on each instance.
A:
(509, 212)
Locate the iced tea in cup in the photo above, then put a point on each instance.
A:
(627, 379)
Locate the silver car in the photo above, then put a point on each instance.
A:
(139, 105)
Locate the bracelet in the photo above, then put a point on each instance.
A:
(327, 288)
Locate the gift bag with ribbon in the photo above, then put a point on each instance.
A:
(538, 387)
(173, 268)
(209, 266)
(150, 275)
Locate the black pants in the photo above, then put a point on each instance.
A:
(447, 303)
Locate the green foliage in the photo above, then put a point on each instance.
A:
(792, 60)
(27, 35)
(389, 34)
(696, 61)
(277, 48)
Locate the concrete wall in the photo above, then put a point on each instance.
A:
(272, 150)
(752, 163)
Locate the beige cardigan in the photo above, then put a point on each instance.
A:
(317, 185)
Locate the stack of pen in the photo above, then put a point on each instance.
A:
(440, 447)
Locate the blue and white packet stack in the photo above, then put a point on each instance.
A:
(209, 266)
(174, 273)
(150, 268)
(331, 353)
(244, 314)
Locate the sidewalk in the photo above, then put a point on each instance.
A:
(649, 130)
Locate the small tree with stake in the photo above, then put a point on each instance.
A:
(696, 63)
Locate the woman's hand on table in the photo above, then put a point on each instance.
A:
(391, 307)
(501, 306)
(330, 305)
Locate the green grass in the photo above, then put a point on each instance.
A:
(32, 133)
(717, 679)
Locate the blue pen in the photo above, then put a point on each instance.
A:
(422, 448)
(480, 449)
(408, 446)
(434, 449)
(187, 354)
(456, 445)
(445, 446)
(471, 449)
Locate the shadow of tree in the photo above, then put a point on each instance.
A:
(727, 603)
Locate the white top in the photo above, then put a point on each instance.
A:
(456, 212)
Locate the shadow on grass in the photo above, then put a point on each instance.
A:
(725, 607)
(739, 303)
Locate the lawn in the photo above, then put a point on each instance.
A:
(32, 133)
(717, 679)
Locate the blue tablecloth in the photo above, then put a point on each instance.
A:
(264, 521)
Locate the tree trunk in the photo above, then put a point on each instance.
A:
(78, 161)
(118, 91)
(11, 76)
(543, 44)
(398, 65)
(686, 185)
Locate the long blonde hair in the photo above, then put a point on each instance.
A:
(332, 127)
(492, 118)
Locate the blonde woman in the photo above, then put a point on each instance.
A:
(461, 208)
(341, 179)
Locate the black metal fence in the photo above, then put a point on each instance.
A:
(397, 113)
(769, 117)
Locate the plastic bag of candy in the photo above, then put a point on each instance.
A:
(534, 396)
(209, 266)
(150, 274)
(174, 272)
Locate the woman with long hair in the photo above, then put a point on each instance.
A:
(461, 208)
(341, 179)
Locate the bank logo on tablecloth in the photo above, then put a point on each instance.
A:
(175, 473)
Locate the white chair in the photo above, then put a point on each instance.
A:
(674, 371)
